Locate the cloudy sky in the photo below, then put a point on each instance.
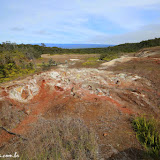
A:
(79, 21)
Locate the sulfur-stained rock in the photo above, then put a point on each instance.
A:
(25, 94)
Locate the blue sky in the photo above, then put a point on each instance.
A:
(79, 21)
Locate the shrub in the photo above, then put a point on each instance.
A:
(14, 64)
(91, 61)
(109, 56)
(147, 134)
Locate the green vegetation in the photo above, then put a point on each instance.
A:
(109, 56)
(115, 51)
(18, 59)
(48, 65)
(147, 134)
(91, 61)
(88, 63)
(37, 50)
(14, 64)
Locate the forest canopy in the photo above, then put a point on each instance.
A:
(37, 50)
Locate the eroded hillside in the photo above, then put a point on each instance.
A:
(106, 99)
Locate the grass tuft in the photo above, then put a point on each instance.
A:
(148, 136)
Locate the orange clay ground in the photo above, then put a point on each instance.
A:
(106, 98)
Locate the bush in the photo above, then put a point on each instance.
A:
(147, 134)
(91, 61)
(109, 56)
(14, 64)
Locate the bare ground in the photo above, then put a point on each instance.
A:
(69, 57)
(105, 99)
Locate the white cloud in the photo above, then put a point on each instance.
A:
(77, 20)
(125, 13)
(42, 32)
(17, 29)
(144, 33)
(138, 3)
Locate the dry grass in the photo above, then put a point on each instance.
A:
(10, 116)
(62, 139)
(62, 58)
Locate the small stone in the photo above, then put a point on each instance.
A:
(25, 94)
(105, 134)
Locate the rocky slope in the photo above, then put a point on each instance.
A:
(106, 100)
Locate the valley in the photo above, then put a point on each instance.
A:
(105, 96)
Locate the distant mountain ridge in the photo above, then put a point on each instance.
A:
(74, 46)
